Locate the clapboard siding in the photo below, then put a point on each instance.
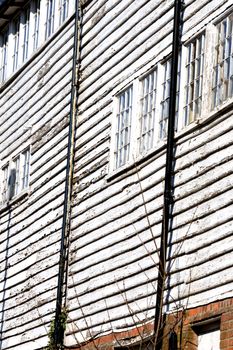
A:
(35, 111)
(116, 218)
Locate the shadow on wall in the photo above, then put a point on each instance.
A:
(5, 278)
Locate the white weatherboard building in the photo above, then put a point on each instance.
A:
(85, 105)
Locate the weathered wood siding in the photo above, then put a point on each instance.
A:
(116, 221)
(34, 110)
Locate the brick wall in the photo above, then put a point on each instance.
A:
(186, 324)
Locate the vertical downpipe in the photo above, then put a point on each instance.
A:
(168, 187)
(64, 247)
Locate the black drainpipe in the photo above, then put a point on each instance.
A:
(64, 247)
(168, 186)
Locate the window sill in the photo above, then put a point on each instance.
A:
(206, 118)
(139, 158)
(23, 194)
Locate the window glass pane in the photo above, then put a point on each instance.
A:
(147, 115)
(16, 24)
(5, 174)
(26, 33)
(194, 79)
(25, 172)
(222, 85)
(16, 166)
(50, 18)
(4, 55)
(63, 10)
(124, 116)
(36, 22)
(164, 113)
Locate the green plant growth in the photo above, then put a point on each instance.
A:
(61, 330)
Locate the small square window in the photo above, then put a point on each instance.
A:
(123, 128)
(15, 176)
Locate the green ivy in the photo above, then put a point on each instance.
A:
(61, 330)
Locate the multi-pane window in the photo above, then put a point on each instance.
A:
(49, 25)
(194, 79)
(4, 55)
(163, 123)
(147, 115)
(25, 33)
(16, 25)
(123, 129)
(15, 176)
(223, 67)
(63, 10)
(36, 22)
(5, 177)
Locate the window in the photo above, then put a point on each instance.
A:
(209, 340)
(16, 25)
(49, 26)
(15, 176)
(147, 115)
(4, 54)
(163, 123)
(5, 173)
(63, 10)
(223, 67)
(36, 22)
(123, 129)
(208, 334)
(16, 181)
(26, 33)
(194, 78)
(26, 163)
